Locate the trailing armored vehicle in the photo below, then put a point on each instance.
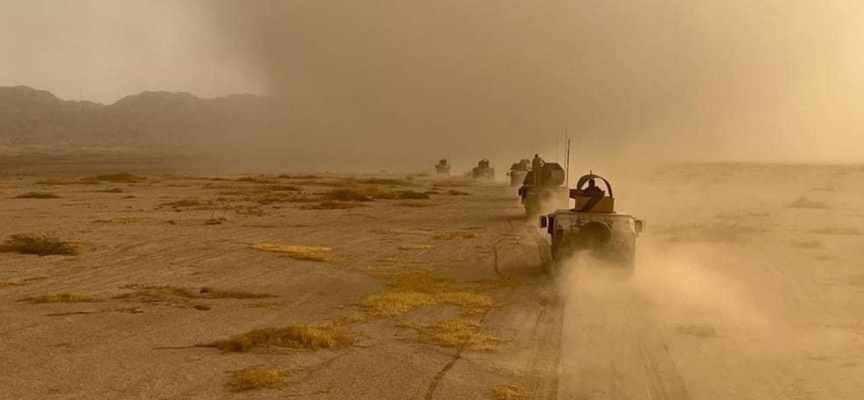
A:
(543, 188)
(519, 171)
(593, 226)
(443, 168)
(483, 171)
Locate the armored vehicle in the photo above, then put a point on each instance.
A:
(519, 171)
(483, 171)
(442, 168)
(593, 226)
(543, 188)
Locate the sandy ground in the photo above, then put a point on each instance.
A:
(742, 290)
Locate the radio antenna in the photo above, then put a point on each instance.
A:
(567, 156)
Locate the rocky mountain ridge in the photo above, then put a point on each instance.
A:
(150, 120)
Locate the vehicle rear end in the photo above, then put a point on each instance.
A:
(608, 237)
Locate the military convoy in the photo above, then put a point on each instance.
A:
(593, 226)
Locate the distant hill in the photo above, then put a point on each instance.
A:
(149, 120)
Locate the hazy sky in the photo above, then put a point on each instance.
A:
(401, 79)
(102, 50)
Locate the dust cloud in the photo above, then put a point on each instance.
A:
(400, 84)
(739, 290)
(407, 82)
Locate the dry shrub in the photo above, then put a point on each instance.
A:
(348, 195)
(8, 284)
(120, 177)
(702, 331)
(22, 282)
(160, 295)
(416, 247)
(387, 181)
(365, 194)
(57, 182)
(112, 190)
(486, 284)
(256, 378)
(61, 298)
(209, 293)
(249, 211)
(184, 203)
(37, 195)
(332, 205)
(144, 291)
(282, 188)
(400, 195)
(807, 244)
(41, 245)
(118, 221)
(288, 176)
(846, 231)
(327, 182)
(410, 291)
(290, 337)
(305, 253)
(856, 281)
(258, 179)
(397, 231)
(506, 392)
(457, 333)
(415, 204)
(803, 202)
(454, 192)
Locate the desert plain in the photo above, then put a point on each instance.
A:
(193, 285)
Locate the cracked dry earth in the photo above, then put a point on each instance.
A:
(737, 294)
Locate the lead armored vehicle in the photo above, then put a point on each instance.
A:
(483, 171)
(593, 226)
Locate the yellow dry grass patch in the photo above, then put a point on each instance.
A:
(256, 378)
(416, 247)
(290, 337)
(507, 392)
(305, 253)
(61, 298)
(457, 333)
(410, 291)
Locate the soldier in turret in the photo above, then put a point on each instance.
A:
(536, 168)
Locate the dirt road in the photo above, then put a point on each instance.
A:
(738, 294)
